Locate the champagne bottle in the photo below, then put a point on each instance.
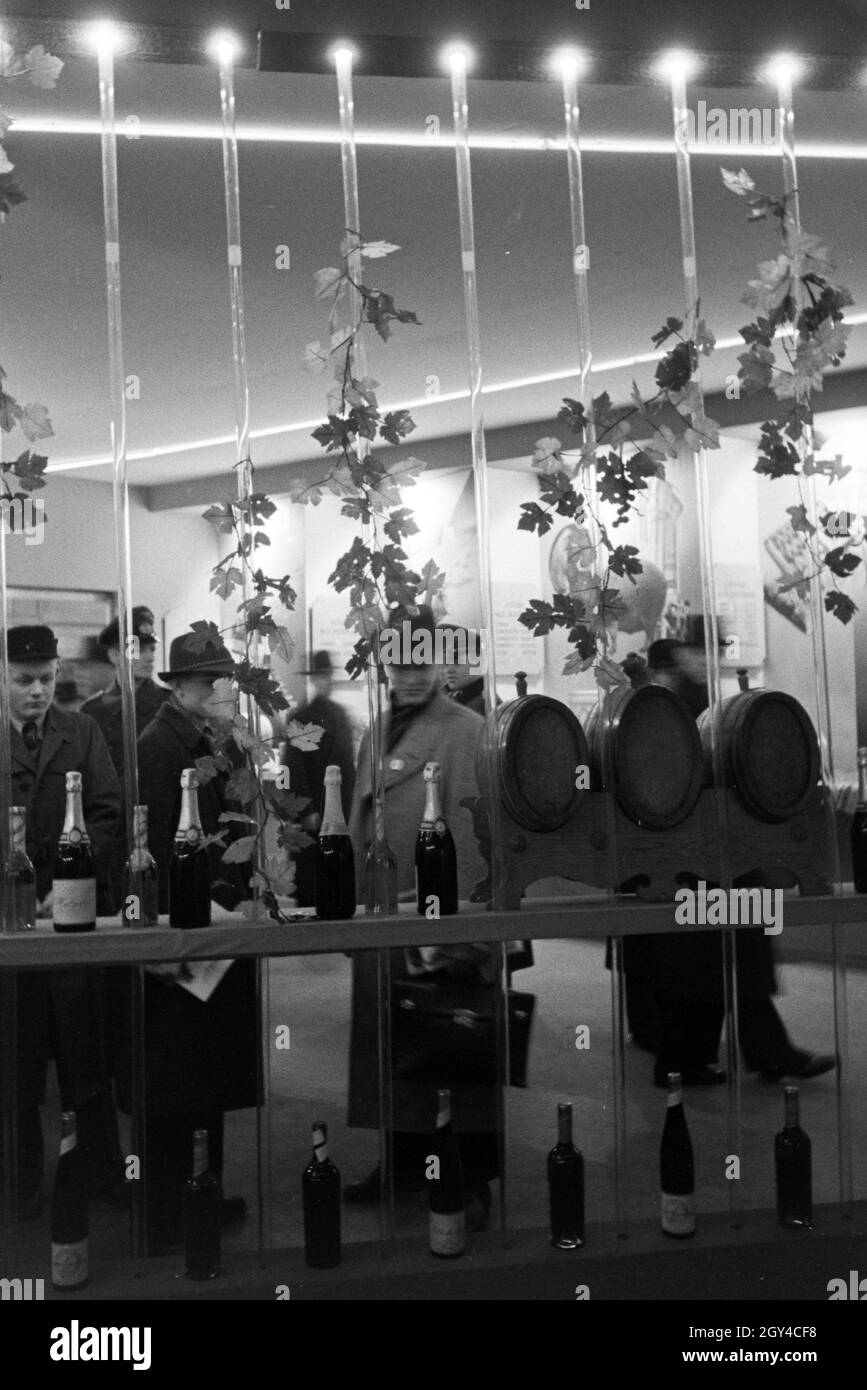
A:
(566, 1185)
(436, 864)
(677, 1176)
(380, 870)
(73, 885)
(320, 1195)
(140, 878)
(448, 1225)
(859, 827)
(202, 1215)
(189, 867)
(335, 861)
(792, 1158)
(19, 877)
(69, 1260)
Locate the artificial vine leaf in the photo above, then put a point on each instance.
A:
(739, 183)
(800, 521)
(539, 617)
(29, 469)
(240, 851)
(431, 580)
(558, 492)
(624, 561)
(671, 325)
(572, 414)
(225, 582)
(399, 524)
(756, 368)
(841, 562)
(778, 457)
(546, 453)
(396, 425)
(242, 786)
(676, 368)
(10, 412)
(758, 332)
(535, 518)
(11, 195)
(840, 605)
(381, 310)
(328, 281)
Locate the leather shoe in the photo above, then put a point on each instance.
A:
(477, 1205)
(369, 1189)
(801, 1066)
(705, 1075)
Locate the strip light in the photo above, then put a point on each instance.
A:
(404, 139)
(613, 364)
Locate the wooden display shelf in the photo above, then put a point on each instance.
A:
(591, 917)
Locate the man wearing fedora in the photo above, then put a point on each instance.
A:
(200, 1057)
(105, 706)
(307, 770)
(62, 1012)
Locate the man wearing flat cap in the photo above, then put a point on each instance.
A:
(63, 1007)
(200, 1057)
(105, 707)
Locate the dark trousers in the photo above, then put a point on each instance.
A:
(691, 1031)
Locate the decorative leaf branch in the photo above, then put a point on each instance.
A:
(799, 311)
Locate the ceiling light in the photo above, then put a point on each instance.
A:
(457, 57)
(224, 47)
(784, 68)
(677, 63)
(343, 52)
(105, 36)
(567, 62)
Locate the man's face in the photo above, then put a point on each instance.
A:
(142, 665)
(196, 694)
(458, 677)
(31, 688)
(412, 684)
(322, 685)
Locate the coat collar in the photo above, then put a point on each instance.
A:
(181, 725)
(413, 750)
(57, 729)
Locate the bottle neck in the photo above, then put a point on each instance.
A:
(432, 804)
(17, 830)
(564, 1124)
(320, 1143)
(73, 823)
(675, 1094)
(792, 1108)
(333, 821)
(140, 829)
(68, 1136)
(862, 782)
(200, 1152)
(444, 1109)
(189, 825)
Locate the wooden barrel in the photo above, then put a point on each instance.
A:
(541, 745)
(645, 748)
(769, 752)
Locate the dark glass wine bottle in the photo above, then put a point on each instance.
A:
(566, 1185)
(436, 863)
(859, 828)
(676, 1171)
(73, 887)
(69, 1223)
(320, 1195)
(380, 869)
(202, 1199)
(448, 1222)
(189, 866)
(335, 861)
(140, 878)
(793, 1161)
(19, 877)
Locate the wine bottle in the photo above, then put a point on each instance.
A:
(859, 827)
(202, 1199)
(73, 887)
(189, 866)
(335, 861)
(140, 878)
(436, 864)
(676, 1172)
(19, 876)
(792, 1158)
(380, 870)
(69, 1259)
(448, 1223)
(566, 1185)
(320, 1196)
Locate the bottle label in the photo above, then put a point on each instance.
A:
(448, 1232)
(191, 835)
(69, 1264)
(678, 1214)
(74, 836)
(440, 827)
(74, 900)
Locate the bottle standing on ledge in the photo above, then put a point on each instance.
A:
(189, 867)
(19, 876)
(73, 887)
(335, 861)
(202, 1215)
(380, 870)
(69, 1260)
(743, 675)
(448, 1222)
(436, 863)
(320, 1196)
(140, 878)
(676, 1172)
(859, 827)
(566, 1185)
(792, 1158)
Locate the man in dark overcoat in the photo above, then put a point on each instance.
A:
(60, 1012)
(200, 1057)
